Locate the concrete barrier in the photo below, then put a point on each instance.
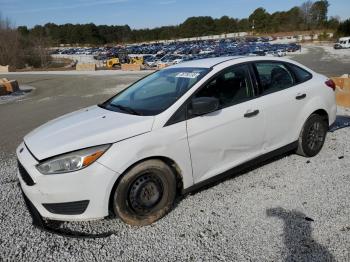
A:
(2, 90)
(6, 68)
(8, 86)
(343, 98)
(342, 82)
(11, 86)
(342, 93)
(131, 67)
(85, 67)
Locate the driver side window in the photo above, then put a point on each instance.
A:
(231, 87)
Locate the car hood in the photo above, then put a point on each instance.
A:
(84, 128)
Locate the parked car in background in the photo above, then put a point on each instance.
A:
(171, 132)
(175, 52)
(343, 43)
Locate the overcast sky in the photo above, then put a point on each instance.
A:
(142, 13)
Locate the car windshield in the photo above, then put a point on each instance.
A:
(156, 92)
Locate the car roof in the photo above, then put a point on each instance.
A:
(213, 62)
(206, 62)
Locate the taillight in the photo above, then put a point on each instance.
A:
(330, 83)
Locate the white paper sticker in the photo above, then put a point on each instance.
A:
(188, 75)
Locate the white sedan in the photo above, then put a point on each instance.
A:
(170, 132)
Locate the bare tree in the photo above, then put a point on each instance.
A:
(18, 51)
(40, 47)
(306, 10)
(9, 44)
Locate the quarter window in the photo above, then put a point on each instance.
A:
(231, 87)
(273, 77)
(301, 74)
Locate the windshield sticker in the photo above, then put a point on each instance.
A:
(188, 75)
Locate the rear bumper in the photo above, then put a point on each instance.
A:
(76, 196)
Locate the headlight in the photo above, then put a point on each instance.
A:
(72, 161)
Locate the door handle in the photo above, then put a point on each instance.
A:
(300, 96)
(251, 113)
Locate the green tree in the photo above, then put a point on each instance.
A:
(197, 26)
(225, 24)
(244, 25)
(333, 23)
(319, 12)
(260, 19)
(344, 28)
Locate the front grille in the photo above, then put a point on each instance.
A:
(68, 208)
(24, 175)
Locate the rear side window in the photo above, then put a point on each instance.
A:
(300, 74)
(273, 77)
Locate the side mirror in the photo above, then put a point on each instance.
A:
(204, 105)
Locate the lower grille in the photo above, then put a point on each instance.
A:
(24, 175)
(68, 208)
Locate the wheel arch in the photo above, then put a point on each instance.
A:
(322, 113)
(170, 162)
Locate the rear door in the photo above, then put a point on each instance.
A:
(233, 134)
(282, 96)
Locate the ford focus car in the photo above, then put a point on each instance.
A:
(170, 132)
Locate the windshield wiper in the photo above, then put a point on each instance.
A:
(102, 105)
(126, 109)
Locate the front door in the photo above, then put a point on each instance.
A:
(233, 134)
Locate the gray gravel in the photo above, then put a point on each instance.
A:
(290, 209)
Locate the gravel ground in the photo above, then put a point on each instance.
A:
(290, 209)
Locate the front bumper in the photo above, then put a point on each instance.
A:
(61, 196)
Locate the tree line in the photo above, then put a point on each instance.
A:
(19, 51)
(309, 16)
(24, 46)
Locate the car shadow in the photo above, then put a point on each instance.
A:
(340, 122)
(298, 237)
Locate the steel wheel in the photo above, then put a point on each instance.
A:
(145, 193)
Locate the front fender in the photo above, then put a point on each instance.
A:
(168, 142)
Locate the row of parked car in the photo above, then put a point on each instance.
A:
(176, 52)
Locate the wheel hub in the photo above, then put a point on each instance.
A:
(315, 136)
(145, 193)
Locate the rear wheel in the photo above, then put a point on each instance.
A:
(312, 136)
(145, 194)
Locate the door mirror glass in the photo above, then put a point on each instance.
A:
(204, 105)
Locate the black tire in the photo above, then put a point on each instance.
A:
(312, 136)
(145, 193)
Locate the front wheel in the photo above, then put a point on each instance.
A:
(145, 193)
(312, 136)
